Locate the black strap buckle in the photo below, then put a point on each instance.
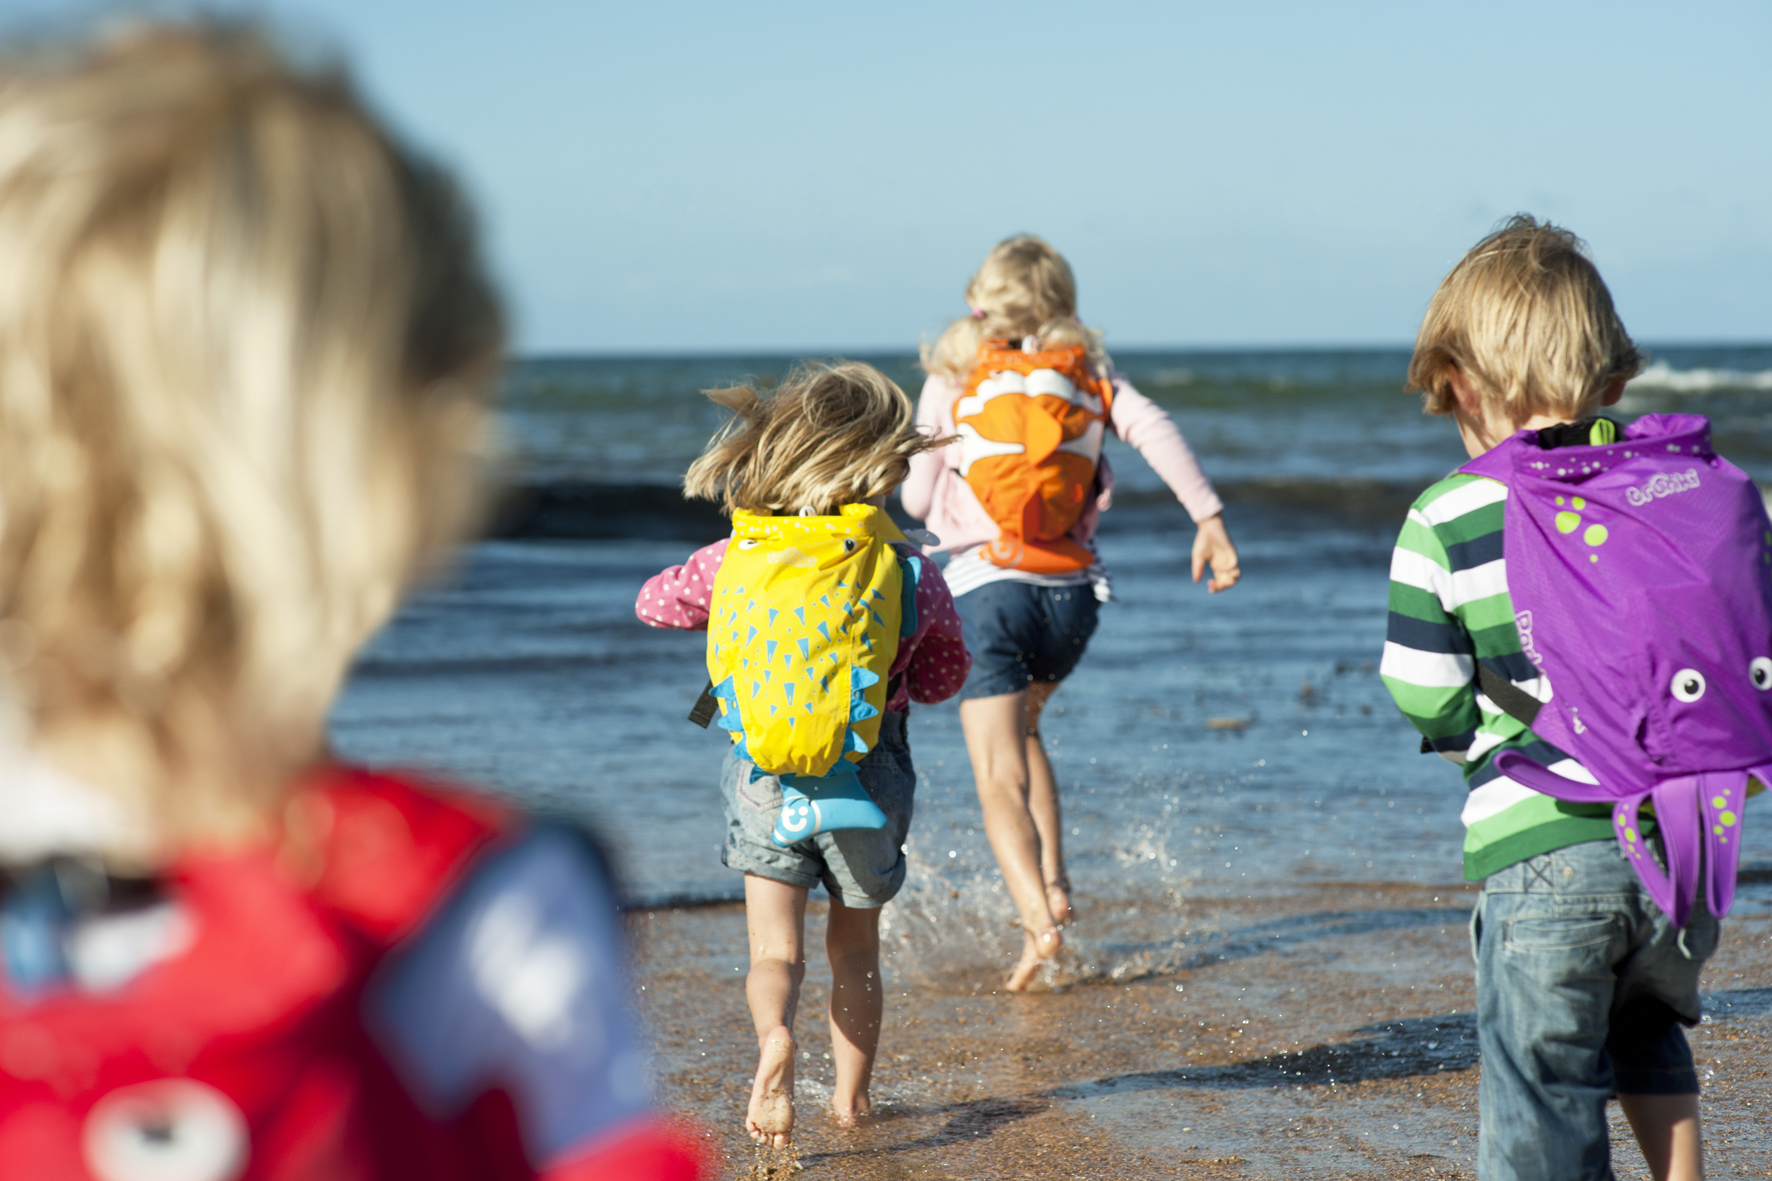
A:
(707, 707)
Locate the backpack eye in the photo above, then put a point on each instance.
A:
(1760, 672)
(1688, 684)
(849, 548)
(749, 543)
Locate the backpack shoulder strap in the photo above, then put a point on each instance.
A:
(1514, 701)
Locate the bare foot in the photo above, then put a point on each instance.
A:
(1058, 899)
(853, 1114)
(1036, 950)
(770, 1120)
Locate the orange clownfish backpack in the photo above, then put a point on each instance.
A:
(1030, 427)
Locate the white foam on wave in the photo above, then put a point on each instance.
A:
(1662, 376)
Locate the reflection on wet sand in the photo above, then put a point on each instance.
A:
(1282, 1040)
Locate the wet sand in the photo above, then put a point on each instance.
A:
(1327, 1032)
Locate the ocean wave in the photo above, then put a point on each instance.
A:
(1171, 377)
(1662, 376)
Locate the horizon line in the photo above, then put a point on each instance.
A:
(773, 351)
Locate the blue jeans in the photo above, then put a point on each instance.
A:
(1582, 988)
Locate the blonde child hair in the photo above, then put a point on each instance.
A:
(245, 341)
(830, 434)
(1527, 319)
(1023, 288)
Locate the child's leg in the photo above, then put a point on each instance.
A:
(1668, 1131)
(1043, 804)
(996, 738)
(775, 913)
(1546, 955)
(852, 941)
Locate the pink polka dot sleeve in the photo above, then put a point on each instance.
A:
(678, 597)
(934, 659)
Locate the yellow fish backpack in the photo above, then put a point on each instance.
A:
(803, 626)
(1030, 427)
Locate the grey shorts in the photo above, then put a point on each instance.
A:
(861, 867)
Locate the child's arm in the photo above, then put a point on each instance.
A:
(935, 418)
(1429, 659)
(1150, 430)
(939, 660)
(678, 597)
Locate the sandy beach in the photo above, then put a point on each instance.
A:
(1273, 973)
(1327, 1034)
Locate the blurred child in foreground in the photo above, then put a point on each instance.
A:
(245, 344)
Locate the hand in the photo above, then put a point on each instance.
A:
(1212, 546)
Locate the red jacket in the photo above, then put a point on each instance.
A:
(368, 1001)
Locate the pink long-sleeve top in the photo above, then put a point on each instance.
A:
(937, 494)
(933, 659)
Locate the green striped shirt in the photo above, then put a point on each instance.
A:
(1450, 610)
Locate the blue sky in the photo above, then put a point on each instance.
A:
(691, 176)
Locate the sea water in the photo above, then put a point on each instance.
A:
(1225, 745)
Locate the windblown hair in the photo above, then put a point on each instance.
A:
(1024, 288)
(245, 343)
(830, 435)
(1527, 319)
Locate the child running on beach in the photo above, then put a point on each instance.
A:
(1027, 393)
(245, 350)
(804, 473)
(1638, 592)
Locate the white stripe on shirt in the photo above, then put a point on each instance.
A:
(1468, 498)
(1430, 670)
(1421, 572)
(1501, 793)
(1478, 582)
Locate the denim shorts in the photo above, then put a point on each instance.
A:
(861, 867)
(1582, 988)
(1018, 632)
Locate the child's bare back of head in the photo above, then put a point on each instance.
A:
(244, 345)
(1525, 321)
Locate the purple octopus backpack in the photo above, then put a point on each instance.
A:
(1641, 578)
